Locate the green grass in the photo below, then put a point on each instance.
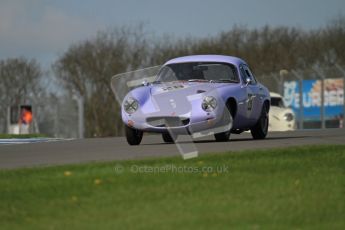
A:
(9, 136)
(295, 188)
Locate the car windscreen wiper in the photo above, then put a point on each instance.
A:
(224, 80)
(198, 80)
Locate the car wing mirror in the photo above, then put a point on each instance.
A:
(248, 81)
(145, 83)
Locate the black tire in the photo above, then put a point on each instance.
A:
(225, 136)
(222, 137)
(133, 136)
(260, 130)
(167, 138)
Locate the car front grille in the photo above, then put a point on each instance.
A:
(167, 121)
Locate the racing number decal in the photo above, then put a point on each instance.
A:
(250, 101)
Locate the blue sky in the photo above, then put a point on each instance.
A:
(44, 29)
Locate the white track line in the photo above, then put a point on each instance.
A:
(12, 141)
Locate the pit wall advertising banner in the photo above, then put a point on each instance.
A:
(311, 89)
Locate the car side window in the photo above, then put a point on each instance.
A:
(243, 74)
(248, 74)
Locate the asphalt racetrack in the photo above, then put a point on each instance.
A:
(116, 148)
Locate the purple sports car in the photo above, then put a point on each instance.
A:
(198, 95)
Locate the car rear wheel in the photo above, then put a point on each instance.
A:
(133, 136)
(260, 130)
(167, 138)
(227, 118)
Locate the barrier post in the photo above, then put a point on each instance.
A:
(318, 72)
(343, 72)
(300, 89)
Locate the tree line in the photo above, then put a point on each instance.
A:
(85, 69)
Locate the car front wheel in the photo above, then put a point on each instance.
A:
(227, 119)
(167, 138)
(260, 130)
(133, 136)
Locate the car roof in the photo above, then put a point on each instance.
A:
(207, 58)
(273, 94)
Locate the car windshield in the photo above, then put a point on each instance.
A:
(277, 101)
(198, 72)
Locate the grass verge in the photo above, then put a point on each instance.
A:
(9, 136)
(293, 188)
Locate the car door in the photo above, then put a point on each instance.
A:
(252, 91)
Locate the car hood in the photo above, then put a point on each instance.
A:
(174, 98)
(178, 97)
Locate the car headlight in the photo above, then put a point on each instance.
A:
(209, 103)
(288, 116)
(131, 105)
